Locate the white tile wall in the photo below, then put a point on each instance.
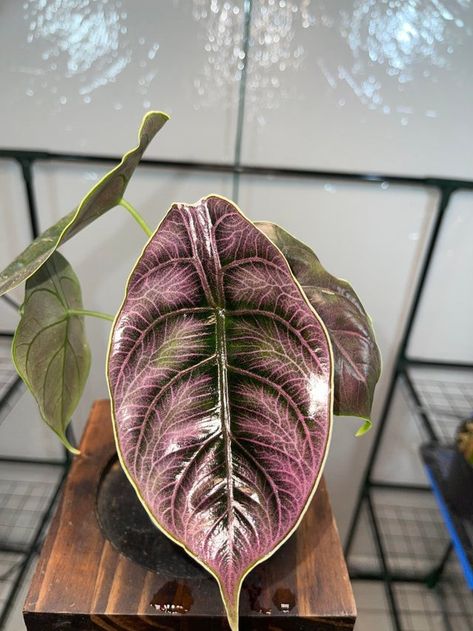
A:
(444, 320)
(367, 85)
(81, 74)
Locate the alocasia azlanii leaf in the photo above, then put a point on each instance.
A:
(104, 196)
(49, 350)
(356, 354)
(220, 374)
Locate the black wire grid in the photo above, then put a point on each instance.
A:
(448, 606)
(403, 548)
(28, 492)
(445, 399)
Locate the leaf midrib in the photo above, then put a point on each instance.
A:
(224, 404)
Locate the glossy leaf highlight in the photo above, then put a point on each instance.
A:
(356, 354)
(104, 196)
(49, 350)
(220, 374)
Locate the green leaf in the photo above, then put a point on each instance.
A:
(356, 354)
(105, 195)
(367, 425)
(50, 350)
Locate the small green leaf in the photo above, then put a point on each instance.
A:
(367, 425)
(105, 195)
(50, 350)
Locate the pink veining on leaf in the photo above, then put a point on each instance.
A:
(221, 380)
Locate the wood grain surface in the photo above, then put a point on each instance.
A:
(83, 583)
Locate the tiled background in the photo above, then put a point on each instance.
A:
(364, 85)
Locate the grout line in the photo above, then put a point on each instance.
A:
(242, 100)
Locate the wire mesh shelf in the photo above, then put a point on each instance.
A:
(412, 530)
(412, 533)
(10, 565)
(25, 494)
(10, 384)
(447, 607)
(445, 397)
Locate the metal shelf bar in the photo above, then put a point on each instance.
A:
(431, 363)
(445, 195)
(440, 183)
(400, 486)
(387, 579)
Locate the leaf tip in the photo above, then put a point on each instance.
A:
(162, 115)
(367, 425)
(231, 598)
(232, 616)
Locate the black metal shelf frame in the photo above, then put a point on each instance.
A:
(439, 406)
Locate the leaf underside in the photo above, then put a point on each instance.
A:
(356, 354)
(220, 374)
(104, 196)
(49, 349)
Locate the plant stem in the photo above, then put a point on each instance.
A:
(94, 314)
(136, 216)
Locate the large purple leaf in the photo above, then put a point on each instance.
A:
(356, 354)
(220, 374)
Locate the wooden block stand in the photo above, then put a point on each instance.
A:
(83, 583)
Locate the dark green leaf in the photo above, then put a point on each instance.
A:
(104, 196)
(356, 354)
(50, 350)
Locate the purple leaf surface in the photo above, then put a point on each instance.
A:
(220, 374)
(356, 354)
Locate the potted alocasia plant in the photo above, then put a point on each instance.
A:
(228, 357)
